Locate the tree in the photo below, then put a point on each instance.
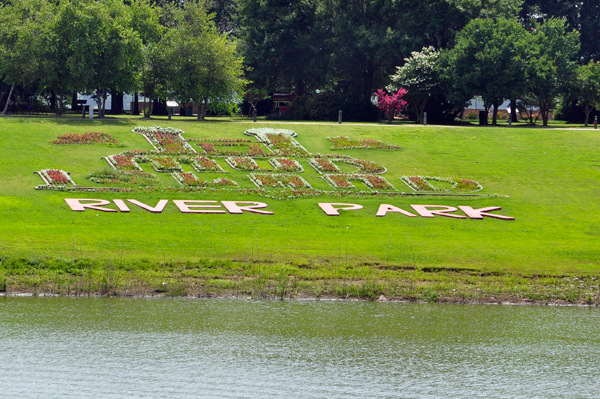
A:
(587, 87)
(253, 96)
(552, 65)
(25, 29)
(105, 49)
(489, 8)
(490, 59)
(203, 63)
(419, 76)
(583, 16)
(284, 44)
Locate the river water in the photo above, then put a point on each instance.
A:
(191, 348)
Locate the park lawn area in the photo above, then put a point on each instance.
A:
(548, 179)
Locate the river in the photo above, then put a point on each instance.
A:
(191, 348)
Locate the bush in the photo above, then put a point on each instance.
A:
(472, 116)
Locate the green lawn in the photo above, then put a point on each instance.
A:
(548, 179)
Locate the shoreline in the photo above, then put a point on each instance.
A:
(489, 301)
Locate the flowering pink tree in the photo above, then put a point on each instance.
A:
(390, 104)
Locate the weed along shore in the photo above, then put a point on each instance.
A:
(123, 207)
(253, 279)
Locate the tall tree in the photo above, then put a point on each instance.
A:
(204, 65)
(25, 29)
(284, 43)
(420, 76)
(490, 59)
(583, 16)
(587, 87)
(553, 63)
(105, 47)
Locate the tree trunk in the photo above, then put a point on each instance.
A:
(420, 108)
(8, 99)
(513, 110)
(299, 88)
(53, 99)
(116, 102)
(368, 84)
(74, 105)
(202, 109)
(136, 105)
(58, 109)
(104, 95)
(588, 110)
(495, 113)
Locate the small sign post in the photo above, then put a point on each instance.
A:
(340, 117)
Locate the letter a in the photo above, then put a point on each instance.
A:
(385, 208)
(329, 209)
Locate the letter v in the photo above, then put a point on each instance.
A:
(157, 209)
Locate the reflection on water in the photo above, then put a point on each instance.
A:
(184, 348)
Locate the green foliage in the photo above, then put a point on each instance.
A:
(104, 48)
(552, 64)
(587, 87)
(284, 43)
(420, 77)
(203, 65)
(490, 59)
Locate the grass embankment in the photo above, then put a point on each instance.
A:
(550, 177)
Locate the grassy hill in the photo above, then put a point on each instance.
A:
(547, 179)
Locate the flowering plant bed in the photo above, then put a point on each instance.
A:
(280, 141)
(421, 183)
(372, 181)
(282, 144)
(361, 164)
(191, 180)
(324, 165)
(339, 181)
(418, 183)
(85, 138)
(169, 143)
(251, 149)
(279, 180)
(172, 143)
(202, 164)
(242, 163)
(165, 164)
(223, 182)
(123, 163)
(261, 133)
(55, 177)
(375, 182)
(286, 165)
(140, 153)
(157, 129)
(347, 143)
(106, 177)
(468, 185)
